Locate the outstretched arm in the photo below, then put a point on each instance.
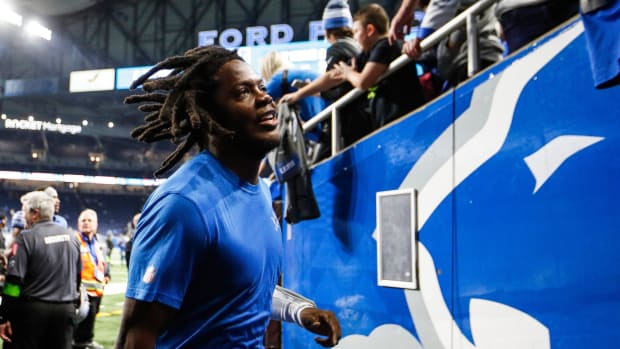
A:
(292, 307)
(369, 75)
(322, 83)
(438, 13)
(401, 23)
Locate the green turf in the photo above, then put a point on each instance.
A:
(107, 324)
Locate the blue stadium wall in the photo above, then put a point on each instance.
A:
(519, 231)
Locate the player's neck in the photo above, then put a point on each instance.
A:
(243, 165)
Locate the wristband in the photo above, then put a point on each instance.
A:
(12, 289)
(287, 305)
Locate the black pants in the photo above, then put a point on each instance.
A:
(524, 24)
(42, 325)
(85, 330)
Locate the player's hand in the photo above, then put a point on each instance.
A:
(324, 323)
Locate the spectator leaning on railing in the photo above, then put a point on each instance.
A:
(452, 51)
(393, 96)
(354, 119)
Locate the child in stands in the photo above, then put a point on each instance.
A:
(398, 93)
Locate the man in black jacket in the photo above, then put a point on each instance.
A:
(43, 277)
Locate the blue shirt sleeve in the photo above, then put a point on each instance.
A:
(274, 86)
(168, 244)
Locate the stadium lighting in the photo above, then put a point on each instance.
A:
(75, 179)
(37, 154)
(95, 157)
(10, 16)
(36, 29)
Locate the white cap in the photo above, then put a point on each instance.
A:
(51, 192)
(337, 15)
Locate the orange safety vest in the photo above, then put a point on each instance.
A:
(92, 275)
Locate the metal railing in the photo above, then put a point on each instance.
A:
(467, 17)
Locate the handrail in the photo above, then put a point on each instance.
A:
(465, 17)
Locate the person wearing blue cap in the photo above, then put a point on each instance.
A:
(338, 26)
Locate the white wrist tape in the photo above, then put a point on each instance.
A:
(287, 305)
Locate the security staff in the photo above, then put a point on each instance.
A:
(95, 274)
(43, 277)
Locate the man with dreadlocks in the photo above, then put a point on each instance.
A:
(207, 251)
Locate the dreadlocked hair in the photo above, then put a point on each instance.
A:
(171, 102)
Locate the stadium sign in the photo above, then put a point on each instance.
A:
(257, 35)
(127, 75)
(91, 80)
(36, 125)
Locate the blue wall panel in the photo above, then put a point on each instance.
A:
(517, 172)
